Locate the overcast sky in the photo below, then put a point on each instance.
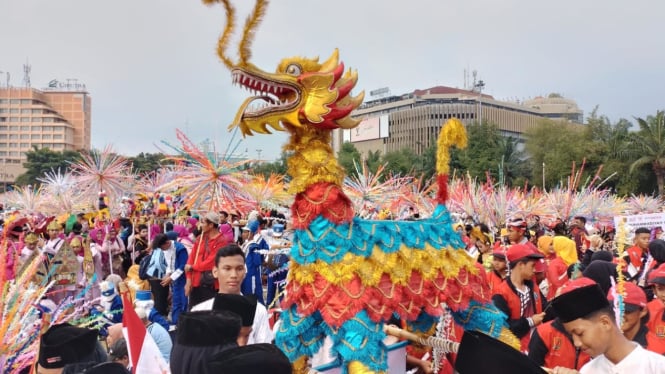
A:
(151, 67)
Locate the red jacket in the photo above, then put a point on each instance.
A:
(649, 340)
(656, 324)
(508, 301)
(552, 346)
(493, 280)
(557, 276)
(204, 260)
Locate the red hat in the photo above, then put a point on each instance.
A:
(635, 298)
(518, 252)
(541, 266)
(657, 275)
(499, 252)
(576, 283)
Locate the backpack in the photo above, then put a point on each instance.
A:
(143, 267)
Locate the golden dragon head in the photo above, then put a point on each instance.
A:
(301, 92)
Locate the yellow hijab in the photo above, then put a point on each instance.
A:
(565, 248)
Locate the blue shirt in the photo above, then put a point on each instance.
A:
(162, 339)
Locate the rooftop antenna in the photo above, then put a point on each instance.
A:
(26, 74)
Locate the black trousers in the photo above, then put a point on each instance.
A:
(160, 295)
(200, 294)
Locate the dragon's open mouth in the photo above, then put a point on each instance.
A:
(269, 96)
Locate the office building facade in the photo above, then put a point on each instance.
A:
(413, 120)
(57, 117)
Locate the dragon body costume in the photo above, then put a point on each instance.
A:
(348, 275)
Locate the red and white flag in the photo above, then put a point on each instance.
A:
(144, 355)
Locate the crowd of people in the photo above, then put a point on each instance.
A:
(207, 289)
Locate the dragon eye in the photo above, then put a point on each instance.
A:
(293, 69)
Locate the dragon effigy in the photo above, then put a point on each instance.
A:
(348, 275)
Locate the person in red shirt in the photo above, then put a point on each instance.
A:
(518, 297)
(201, 285)
(552, 346)
(499, 270)
(656, 307)
(635, 318)
(638, 254)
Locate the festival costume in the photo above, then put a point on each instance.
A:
(507, 299)
(348, 275)
(253, 284)
(202, 259)
(552, 346)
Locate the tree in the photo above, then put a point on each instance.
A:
(347, 155)
(513, 168)
(146, 162)
(42, 160)
(553, 146)
(278, 167)
(649, 146)
(403, 162)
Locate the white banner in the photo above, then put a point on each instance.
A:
(632, 223)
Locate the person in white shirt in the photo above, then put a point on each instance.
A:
(230, 271)
(590, 319)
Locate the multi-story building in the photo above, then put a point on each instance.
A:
(413, 120)
(57, 117)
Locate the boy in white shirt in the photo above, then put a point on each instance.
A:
(589, 318)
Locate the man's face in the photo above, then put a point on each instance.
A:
(499, 264)
(590, 335)
(659, 292)
(578, 223)
(230, 271)
(528, 269)
(632, 319)
(143, 233)
(206, 226)
(53, 233)
(245, 234)
(514, 234)
(642, 240)
(31, 246)
(223, 217)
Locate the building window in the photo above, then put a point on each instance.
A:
(13, 145)
(36, 111)
(3, 136)
(36, 128)
(25, 136)
(2, 110)
(47, 128)
(25, 128)
(25, 119)
(13, 119)
(3, 101)
(13, 136)
(33, 136)
(57, 136)
(26, 101)
(26, 111)
(13, 110)
(25, 145)
(13, 154)
(14, 101)
(46, 136)
(13, 128)
(58, 146)
(48, 119)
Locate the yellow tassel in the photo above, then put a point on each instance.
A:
(452, 133)
(248, 32)
(356, 367)
(507, 337)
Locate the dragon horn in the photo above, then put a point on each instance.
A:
(228, 31)
(248, 32)
(452, 133)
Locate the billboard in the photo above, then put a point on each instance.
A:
(368, 129)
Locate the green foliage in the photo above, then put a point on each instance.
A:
(649, 146)
(147, 162)
(402, 162)
(489, 153)
(347, 155)
(278, 167)
(556, 145)
(43, 160)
